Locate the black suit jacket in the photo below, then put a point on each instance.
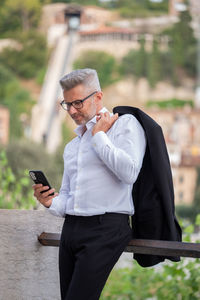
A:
(153, 192)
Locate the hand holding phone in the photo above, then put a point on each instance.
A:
(42, 189)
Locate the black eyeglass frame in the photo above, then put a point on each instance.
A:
(73, 103)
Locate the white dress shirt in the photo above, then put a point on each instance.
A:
(99, 170)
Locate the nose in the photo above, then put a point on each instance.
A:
(72, 110)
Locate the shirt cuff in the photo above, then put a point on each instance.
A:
(55, 208)
(100, 140)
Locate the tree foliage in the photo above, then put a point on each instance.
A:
(19, 15)
(27, 61)
(140, 8)
(15, 98)
(135, 62)
(183, 44)
(158, 64)
(142, 63)
(154, 65)
(104, 63)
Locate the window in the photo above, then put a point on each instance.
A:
(181, 178)
(181, 196)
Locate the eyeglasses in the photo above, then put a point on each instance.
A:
(78, 104)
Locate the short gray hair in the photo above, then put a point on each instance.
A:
(87, 77)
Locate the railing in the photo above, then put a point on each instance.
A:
(24, 260)
(152, 247)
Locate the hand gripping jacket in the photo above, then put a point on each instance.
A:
(153, 192)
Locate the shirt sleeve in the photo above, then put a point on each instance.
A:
(58, 206)
(124, 154)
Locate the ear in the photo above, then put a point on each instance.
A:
(99, 96)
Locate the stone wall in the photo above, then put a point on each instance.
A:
(28, 270)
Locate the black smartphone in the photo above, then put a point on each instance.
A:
(39, 177)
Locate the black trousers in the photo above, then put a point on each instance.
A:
(89, 248)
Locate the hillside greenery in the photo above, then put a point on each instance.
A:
(170, 64)
(127, 8)
(30, 58)
(172, 103)
(19, 16)
(15, 98)
(26, 61)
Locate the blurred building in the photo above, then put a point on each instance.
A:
(176, 6)
(181, 128)
(4, 125)
(97, 23)
(184, 178)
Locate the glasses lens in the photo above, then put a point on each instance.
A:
(77, 104)
(64, 105)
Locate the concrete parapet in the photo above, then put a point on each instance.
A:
(28, 270)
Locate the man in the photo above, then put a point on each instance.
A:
(100, 166)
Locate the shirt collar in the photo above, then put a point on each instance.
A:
(81, 128)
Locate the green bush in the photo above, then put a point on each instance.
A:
(169, 280)
(105, 64)
(41, 75)
(20, 156)
(136, 62)
(142, 8)
(187, 212)
(171, 103)
(33, 156)
(14, 191)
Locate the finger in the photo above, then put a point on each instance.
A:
(42, 188)
(46, 194)
(98, 118)
(37, 192)
(35, 186)
(47, 199)
(107, 114)
(113, 118)
(116, 116)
